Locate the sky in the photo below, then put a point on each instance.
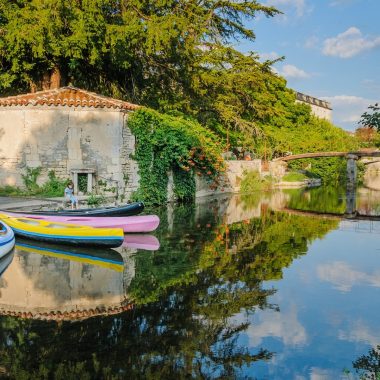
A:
(331, 49)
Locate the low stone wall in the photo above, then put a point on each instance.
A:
(231, 180)
(372, 176)
(312, 182)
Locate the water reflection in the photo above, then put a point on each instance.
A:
(5, 261)
(49, 281)
(231, 288)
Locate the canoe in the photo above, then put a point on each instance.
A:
(106, 258)
(64, 233)
(124, 210)
(141, 223)
(7, 239)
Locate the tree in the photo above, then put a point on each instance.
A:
(371, 120)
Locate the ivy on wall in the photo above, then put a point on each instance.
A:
(167, 143)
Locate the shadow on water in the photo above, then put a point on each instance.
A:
(211, 266)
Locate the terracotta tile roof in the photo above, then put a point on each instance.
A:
(66, 96)
(71, 315)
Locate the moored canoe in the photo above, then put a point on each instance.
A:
(123, 210)
(7, 239)
(64, 233)
(130, 224)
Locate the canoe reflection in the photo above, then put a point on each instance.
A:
(5, 262)
(107, 258)
(141, 241)
(47, 281)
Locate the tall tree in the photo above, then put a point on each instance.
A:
(168, 54)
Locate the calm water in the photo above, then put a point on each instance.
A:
(256, 287)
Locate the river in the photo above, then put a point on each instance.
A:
(264, 286)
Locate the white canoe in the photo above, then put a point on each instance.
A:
(7, 239)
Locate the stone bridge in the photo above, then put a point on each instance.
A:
(351, 158)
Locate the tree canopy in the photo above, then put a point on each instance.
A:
(168, 54)
(371, 119)
(175, 56)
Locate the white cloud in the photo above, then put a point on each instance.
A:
(343, 277)
(298, 5)
(284, 325)
(269, 56)
(291, 71)
(322, 374)
(359, 332)
(349, 43)
(347, 109)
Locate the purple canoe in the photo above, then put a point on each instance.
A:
(138, 223)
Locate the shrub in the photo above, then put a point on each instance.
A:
(252, 181)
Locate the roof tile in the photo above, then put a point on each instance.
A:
(66, 96)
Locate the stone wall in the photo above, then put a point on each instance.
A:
(232, 179)
(63, 139)
(372, 174)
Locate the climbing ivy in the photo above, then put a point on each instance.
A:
(167, 144)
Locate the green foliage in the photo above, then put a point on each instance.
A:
(329, 170)
(184, 184)
(294, 177)
(82, 182)
(95, 200)
(329, 199)
(8, 190)
(30, 178)
(371, 119)
(252, 181)
(165, 143)
(54, 187)
(104, 187)
(368, 366)
(308, 135)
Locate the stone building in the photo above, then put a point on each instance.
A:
(319, 108)
(78, 134)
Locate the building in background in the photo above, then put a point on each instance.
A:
(319, 108)
(80, 135)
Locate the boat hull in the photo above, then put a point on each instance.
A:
(130, 224)
(7, 239)
(124, 210)
(63, 233)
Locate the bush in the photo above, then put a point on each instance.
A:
(252, 182)
(95, 200)
(54, 187)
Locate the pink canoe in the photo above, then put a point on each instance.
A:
(138, 223)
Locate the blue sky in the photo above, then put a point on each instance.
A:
(331, 49)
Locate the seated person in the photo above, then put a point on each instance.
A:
(69, 195)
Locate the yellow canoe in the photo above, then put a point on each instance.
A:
(64, 233)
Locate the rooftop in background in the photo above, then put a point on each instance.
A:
(66, 96)
(314, 101)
